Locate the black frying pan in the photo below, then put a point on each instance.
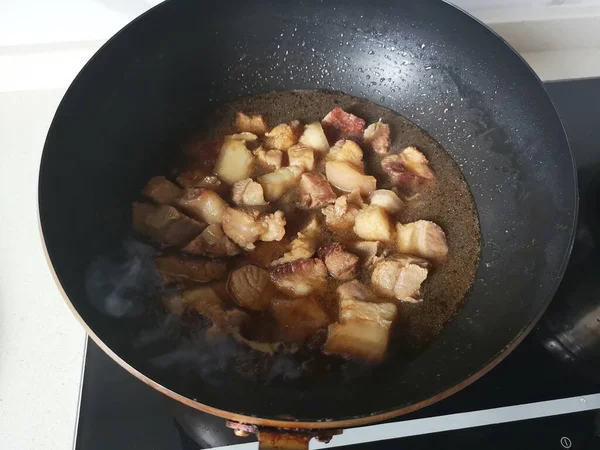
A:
(152, 83)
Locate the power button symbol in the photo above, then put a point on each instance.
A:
(565, 442)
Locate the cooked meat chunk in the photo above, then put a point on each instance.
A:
(409, 167)
(276, 183)
(187, 269)
(212, 242)
(305, 244)
(300, 155)
(298, 319)
(346, 177)
(340, 216)
(409, 259)
(164, 223)
(360, 339)
(341, 264)
(354, 290)
(339, 124)
(269, 159)
(383, 314)
(241, 227)
(394, 278)
(424, 239)
(251, 288)
(247, 193)
(254, 123)
(315, 191)
(283, 136)
(314, 137)
(273, 227)
(369, 252)
(377, 137)
(266, 253)
(348, 151)
(162, 191)
(387, 200)
(199, 177)
(235, 161)
(203, 204)
(245, 136)
(373, 224)
(301, 277)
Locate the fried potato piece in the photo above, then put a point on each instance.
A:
(301, 277)
(187, 269)
(298, 319)
(314, 137)
(254, 123)
(235, 161)
(276, 183)
(251, 288)
(424, 239)
(373, 224)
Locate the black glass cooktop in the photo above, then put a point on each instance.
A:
(119, 412)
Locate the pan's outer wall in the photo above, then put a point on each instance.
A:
(153, 82)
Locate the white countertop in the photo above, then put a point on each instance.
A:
(41, 344)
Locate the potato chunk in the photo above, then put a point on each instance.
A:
(247, 193)
(211, 242)
(241, 227)
(347, 151)
(203, 204)
(373, 224)
(314, 137)
(276, 183)
(315, 191)
(283, 136)
(301, 277)
(162, 191)
(251, 288)
(301, 156)
(422, 238)
(235, 161)
(164, 223)
(346, 177)
(340, 263)
(298, 319)
(387, 200)
(254, 123)
(187, 269)
(377, 137)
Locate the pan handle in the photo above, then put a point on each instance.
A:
(282, 439)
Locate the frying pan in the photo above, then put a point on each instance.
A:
(155, 80)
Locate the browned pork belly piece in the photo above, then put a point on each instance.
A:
(199, 177)
(203, 204)
(369, 252)
(399, 279)
(162, 191)
(347, 177)
(340, 124)
(273, 227)
(276, 183)
(377, 137)
(373, 224)
(265, 253)
(241, 227)
(315, 191)
(408, 168)
(301, 277)
(340, 216)
(298, 319)
(235, 161)
(424, 239)
(300, 155)
(187, 269)
(251, 288)
(380, 313)
(283, 136)
(247, 193)
(212, 242)
(252, 123)
(269, 159)
(340, 264)
(304, 245)
(164, 223)
(348, 151)
(386, 199)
